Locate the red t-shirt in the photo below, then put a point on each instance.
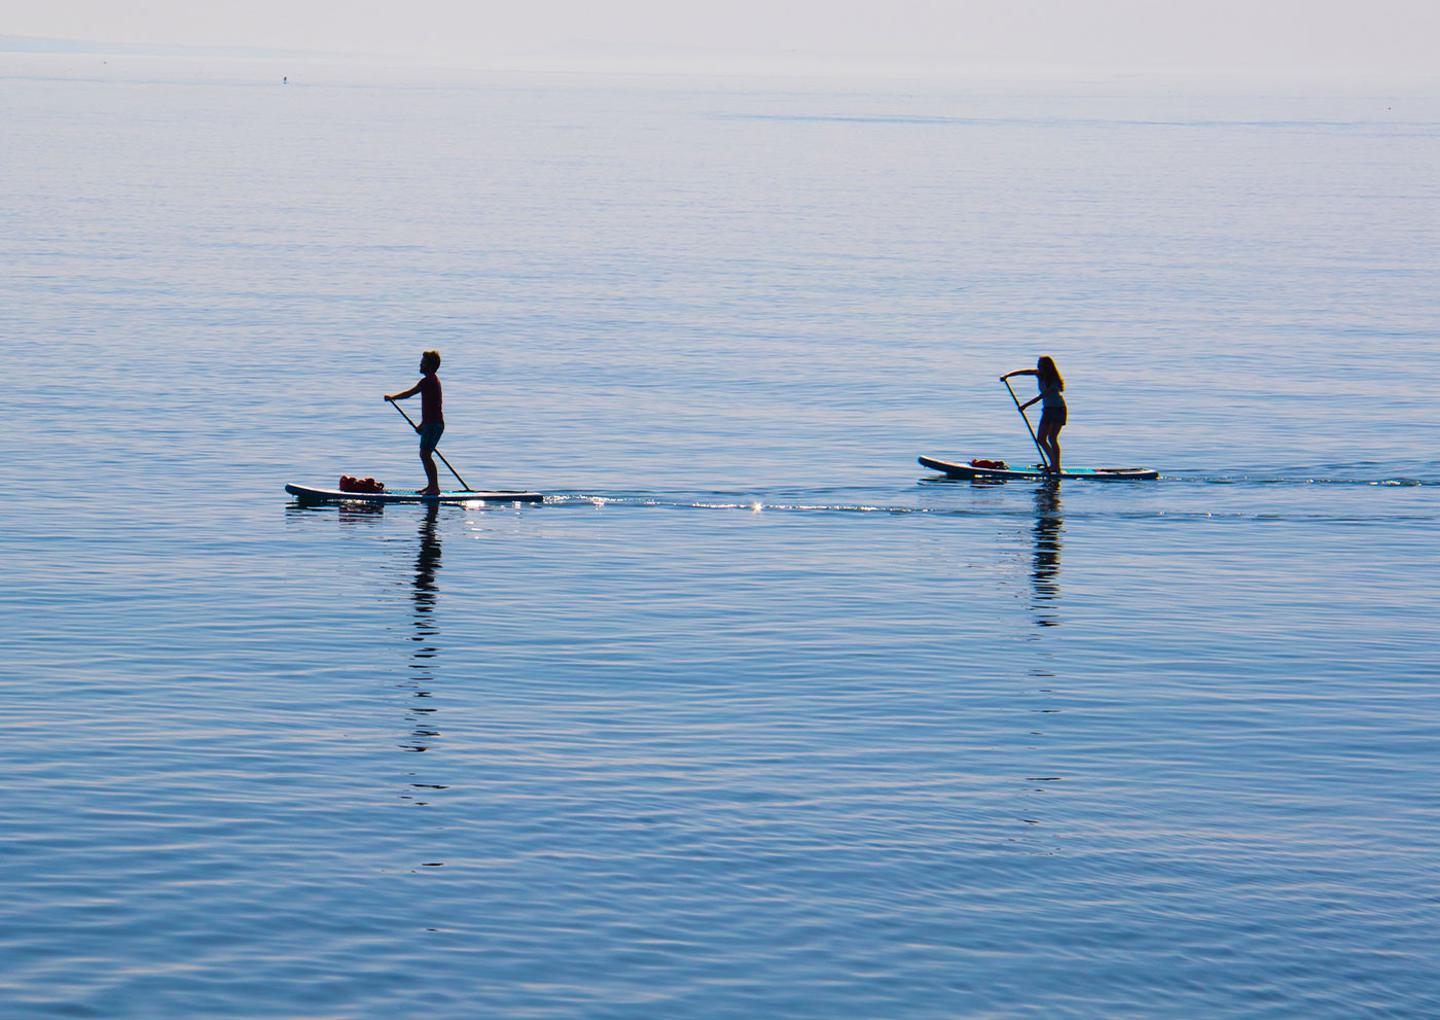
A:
(431, 410)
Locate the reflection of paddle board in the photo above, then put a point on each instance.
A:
(309, 494)
(971, 471)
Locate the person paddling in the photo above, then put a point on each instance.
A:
(1053, 413)
(432, 417)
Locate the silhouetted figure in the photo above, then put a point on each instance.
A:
(1053, 413)
(432, 417)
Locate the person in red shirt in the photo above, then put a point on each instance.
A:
(432, 417)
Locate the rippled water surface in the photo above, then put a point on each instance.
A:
(754, 717)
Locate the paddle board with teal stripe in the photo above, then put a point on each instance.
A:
(1109, 474)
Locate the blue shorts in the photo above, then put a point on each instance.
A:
(430, 434)
(1054, 416)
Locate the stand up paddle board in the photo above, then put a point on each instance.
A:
(974, 471)
(309, 494)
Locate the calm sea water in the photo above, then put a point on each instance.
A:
(754, 718)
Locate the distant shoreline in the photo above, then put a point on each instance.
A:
(24, 44)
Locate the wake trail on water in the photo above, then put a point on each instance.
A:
(816, 503)
(1305, 477)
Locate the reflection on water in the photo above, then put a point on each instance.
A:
(1045, 567)
(425, 596)
(427, 565)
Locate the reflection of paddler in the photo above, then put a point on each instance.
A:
(1053, 410)
(425, 638)
(1045, 572)
(427, 562)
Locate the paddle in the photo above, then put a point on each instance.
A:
(1034, 438)
(465, 486)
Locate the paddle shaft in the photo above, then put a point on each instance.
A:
(1034, 438)
(465, 486)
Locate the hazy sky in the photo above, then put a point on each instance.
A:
(1381, 36)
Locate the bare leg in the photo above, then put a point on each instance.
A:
(1049, 438)
(432, 475)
